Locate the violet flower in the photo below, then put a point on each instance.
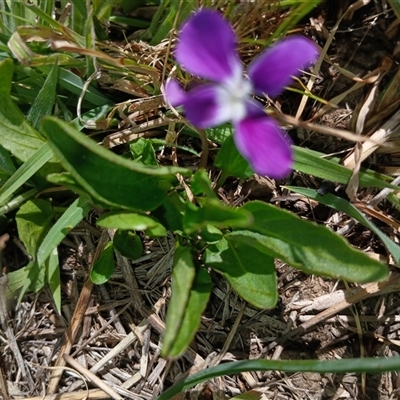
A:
(207, 48)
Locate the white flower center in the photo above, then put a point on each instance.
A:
(236, 91)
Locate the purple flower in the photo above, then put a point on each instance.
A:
(207, 48)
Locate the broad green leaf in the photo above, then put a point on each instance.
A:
(107, 177)
(220, 134)
(201, 184)
(311, 162)
(340, 204)
(143, 151)
(128, 244)
(16, 280)
(213, 212)
(104, 267)
(16, 135)
(250, 272)
(53, 277)
(198, 299)
(183, 275)
(45, 99)
(130, 221)
(211, 234)
(70, 218)
(346, 365)
(170, 212)
(311, 248)
(231, 162)
(33, 221)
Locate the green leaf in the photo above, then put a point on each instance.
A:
(71, 217)
(213, 212)
(170, 212)
(7, 167)
(53, 277)
(250, 272)
(128, 244)
(143, 151)
(73, 83)
(198, 299)
(311, 248)
(201, 184)
(25, 172)
(16, 280)
(183, 275)
(231, 162)
(346, 365)
(33, 221)
(220, 134)
(311, 162)
(45, 99)
(177, 12)
(104, 267)
(107, 177)
(16, 135)
(211, 234)
(340, 204)
(130, 221)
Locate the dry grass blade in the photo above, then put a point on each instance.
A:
(92, 377)
(373, 289)
(93, 394)
(378, 138)
(76, 322)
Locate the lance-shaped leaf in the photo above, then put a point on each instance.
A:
(107, 177)
(312, 248)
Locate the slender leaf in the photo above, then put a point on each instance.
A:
(340, 204)
(311, 248)
(198, 299)
(53, 277)
(71, 217)
(25, 172)
(311, 162)
(16, 135)
(130, 221)
(45, 99)
(183, 275)
(109, 178)
(355, 365)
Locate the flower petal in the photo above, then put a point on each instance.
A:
(204, 106)
(261, 143)
(272, 70)
(174, 93)
(207, 47)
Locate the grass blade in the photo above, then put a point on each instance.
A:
(368, 365)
